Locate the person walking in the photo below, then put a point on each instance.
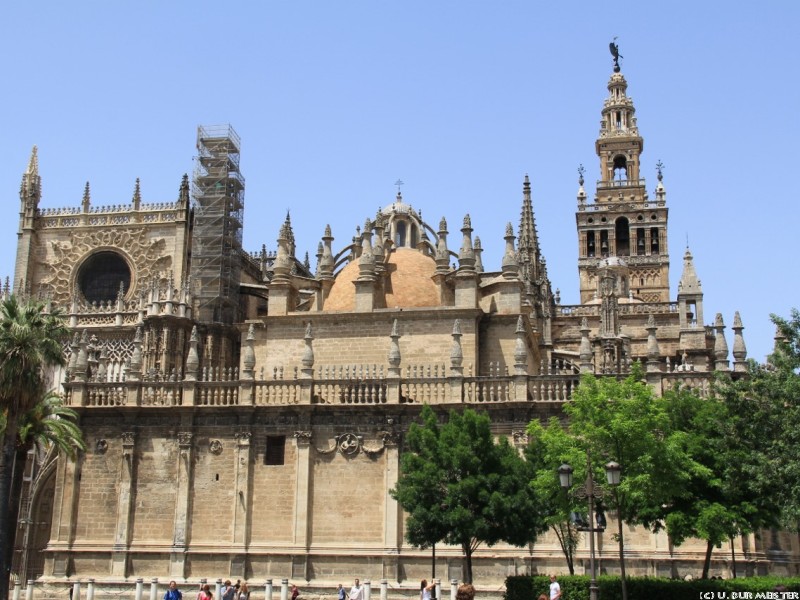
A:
(340, 593)
(356, 592)
(173, 593)
(244, 591)
(555, 589)
(205, 593)
(228, 592)
(425, 589)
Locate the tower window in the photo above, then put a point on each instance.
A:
(620, 168)
(102, 275)
(640, 245)
(654, 240)
(604, 243)
(590, 249)
(400, 234)
(623, 235)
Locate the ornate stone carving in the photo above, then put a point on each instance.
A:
(350, 444)
(185, 439)
(128, 439)
(148, 257)
(520, 437)
(303, 438)
(101, 446)
(215, 446)
(243, 437)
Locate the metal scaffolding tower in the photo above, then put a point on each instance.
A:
(218, 194)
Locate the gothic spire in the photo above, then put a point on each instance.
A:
(137, 195)
(689, 283)
(31, 187)
(528, 237)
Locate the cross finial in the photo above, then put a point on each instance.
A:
(398, 183)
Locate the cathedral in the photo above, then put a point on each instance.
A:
(245, 411)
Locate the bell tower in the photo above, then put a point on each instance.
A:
(622, 221)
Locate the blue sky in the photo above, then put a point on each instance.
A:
(335, 101)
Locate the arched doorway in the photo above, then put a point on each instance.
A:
(36, 517)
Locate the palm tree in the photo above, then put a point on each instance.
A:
(48, 424)
(30, 340)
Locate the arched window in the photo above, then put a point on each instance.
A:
(620, 168)
(623, 237)
(400, 234)
(590, 249)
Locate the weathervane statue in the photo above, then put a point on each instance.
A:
(615, 53)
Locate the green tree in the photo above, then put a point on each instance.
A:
(548, 447)
(763, 430)
(459, 485)
(49, 424)
(30, 340)
(625, 422)
(718, 501)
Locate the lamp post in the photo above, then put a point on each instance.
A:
(613, 471)
(590, 491)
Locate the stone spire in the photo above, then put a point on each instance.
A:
(326, 260)
(137, 195)
(30, 191)
(442, 252)
(721, 362)
(466, 255)
(478, 249)
(689, 283)
(510, 265)
(528, 236)
(87, 198)
(283, 258)
(739, 349)
(366, 262)
(183, 192)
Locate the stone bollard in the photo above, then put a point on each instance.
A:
(367, 589)
(268, 590)
(154, 588)
(384, 589)
(29, 590)
(453, 588)
(90, 590)
(438, 584)
(284, 589)
(76, 590)
(218, 590)
(17, 590)
(139, 588)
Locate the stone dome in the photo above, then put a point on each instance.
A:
(409, 283)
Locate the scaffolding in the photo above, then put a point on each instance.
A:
(218, 202)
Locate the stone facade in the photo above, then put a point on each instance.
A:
(245, 415)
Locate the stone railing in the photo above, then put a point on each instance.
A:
(356, 387)
(100, 216)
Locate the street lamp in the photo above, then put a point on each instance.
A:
(591, 492)
(612, 474)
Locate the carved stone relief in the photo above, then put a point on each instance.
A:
(148, 257)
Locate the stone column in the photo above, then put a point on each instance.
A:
(64, 507)
(177, 558)
(393, 533)
(119, 557)
(302, 518)
(241, 513)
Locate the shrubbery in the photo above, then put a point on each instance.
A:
(642, 588)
